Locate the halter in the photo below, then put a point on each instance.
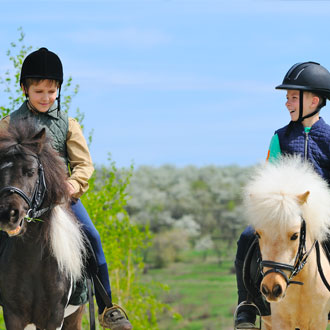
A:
(299, 263)
(38, 194)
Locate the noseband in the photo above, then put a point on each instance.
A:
(299, 263)
(38, 194)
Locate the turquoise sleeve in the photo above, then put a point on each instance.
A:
(274, 149)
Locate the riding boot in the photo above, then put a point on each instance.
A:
(246, 315)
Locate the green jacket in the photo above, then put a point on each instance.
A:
(55, 122)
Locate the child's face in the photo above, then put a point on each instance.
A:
(309, 105)
(42, 95)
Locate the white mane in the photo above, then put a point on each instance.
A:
(67, 243)
(271, 197)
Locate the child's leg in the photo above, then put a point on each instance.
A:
(243, 244)
(110, 318)
(94, 238)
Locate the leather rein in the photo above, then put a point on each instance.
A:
(299, 263)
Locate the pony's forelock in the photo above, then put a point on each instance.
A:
(271, 197)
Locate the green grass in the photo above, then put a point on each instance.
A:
(203, 292)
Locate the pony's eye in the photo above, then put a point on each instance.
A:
(258, 235)
(30, 173)
(294, 237)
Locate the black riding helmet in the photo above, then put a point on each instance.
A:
(42, 64)
(308, 76)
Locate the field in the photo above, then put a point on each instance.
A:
(201, 291)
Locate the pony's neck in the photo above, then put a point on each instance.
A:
(33, 233)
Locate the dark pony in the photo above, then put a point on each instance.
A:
(42, 247)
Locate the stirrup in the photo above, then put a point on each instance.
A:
(113, 307)
(243, 304)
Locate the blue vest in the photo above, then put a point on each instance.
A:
(314, 146)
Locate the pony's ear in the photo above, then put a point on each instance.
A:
(303, 197)
(39, 139)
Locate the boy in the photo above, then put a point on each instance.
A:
(308, 86)
(41, 79)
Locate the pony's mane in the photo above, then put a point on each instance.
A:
(271, 197)
(59, 230)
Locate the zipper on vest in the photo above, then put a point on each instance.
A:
(306, 144)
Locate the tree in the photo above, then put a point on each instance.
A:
(204, 202)
(10, 82)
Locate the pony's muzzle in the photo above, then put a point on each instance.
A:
(11, 211)
(8, 213)
(273, 287)
(275, 293)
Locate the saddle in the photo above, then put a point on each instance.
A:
(80, 292)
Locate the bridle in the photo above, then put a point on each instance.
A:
(35, 201)
(299, 263)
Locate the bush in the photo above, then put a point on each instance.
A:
(124, 243)
(168, 247)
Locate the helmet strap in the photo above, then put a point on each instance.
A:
(59, 99)
(33, 108)
(301, 117)
(28, 101)
(301, 106)
(311, 114)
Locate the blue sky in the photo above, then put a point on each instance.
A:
(176, 82)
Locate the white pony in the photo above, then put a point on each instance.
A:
(281, 200)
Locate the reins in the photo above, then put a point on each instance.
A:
(319, 266)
